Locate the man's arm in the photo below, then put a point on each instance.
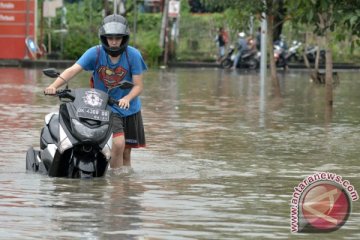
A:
(65, 76)
(135, 91)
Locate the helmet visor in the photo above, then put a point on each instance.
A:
(115, 28)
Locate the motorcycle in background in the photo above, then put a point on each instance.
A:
(249, 59)
(311, 52)
(281, 54)
(294, 52)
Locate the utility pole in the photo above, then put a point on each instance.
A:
(135, 21)
(263, 33)
(263, 70)
(164, 32)
(115, 6)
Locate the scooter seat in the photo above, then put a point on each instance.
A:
(247, 53)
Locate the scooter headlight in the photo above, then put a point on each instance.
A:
(83, 132)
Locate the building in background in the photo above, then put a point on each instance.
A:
(153, 6)
(17, 27)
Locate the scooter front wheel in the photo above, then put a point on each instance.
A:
(253, 64)
(227, 63)
(78, 173)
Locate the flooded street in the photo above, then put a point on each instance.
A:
(223, 157)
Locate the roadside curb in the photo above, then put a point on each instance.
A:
(194, 64)
(30, 63)
(291, 65)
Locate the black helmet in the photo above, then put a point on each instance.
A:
(114, 25)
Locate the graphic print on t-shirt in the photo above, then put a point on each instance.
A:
(111, 77)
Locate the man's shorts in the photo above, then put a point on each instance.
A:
(132, 127)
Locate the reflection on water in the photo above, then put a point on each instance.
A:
(222, 160)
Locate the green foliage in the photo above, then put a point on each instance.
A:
(237, 20)
(184, 8)
(149, 47)
(147, 36)
(146, 22)
(336, 13)
(83, 21)
(76, 44)
(352, 20)
(197, 33)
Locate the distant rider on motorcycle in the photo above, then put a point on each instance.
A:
(242, 47)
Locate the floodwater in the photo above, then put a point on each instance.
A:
(223, 157)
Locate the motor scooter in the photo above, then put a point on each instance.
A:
(293, 54)
(76, 141)
(279, 56)
(248, 59)
(311, 53)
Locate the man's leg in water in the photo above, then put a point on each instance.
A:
(117, 152)
(127, 157)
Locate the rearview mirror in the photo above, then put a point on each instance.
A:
(51, 72)
(124, 84)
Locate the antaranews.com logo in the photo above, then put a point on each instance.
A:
(321, 203)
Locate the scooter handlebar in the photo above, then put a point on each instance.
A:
(63, 93)
(113, 101)
(66, 93)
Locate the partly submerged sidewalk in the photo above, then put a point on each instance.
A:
(62, 64)
(39, 63)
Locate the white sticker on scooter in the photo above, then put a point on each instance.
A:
(92, 98)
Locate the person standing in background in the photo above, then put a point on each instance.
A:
(221, 40)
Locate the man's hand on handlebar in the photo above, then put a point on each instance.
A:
(124, 103)
(50, 91)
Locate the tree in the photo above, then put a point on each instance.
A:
(325, 16)
(275, 17)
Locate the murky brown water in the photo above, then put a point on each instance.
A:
(221, 163)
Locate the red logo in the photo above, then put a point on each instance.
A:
(325, 206)
(111, 77)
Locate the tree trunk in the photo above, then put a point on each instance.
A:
(329, 72)
(164, 38)
(306, 45)
(315, 76)
(274, 79)
(279, 19)
(317, 58)
(163, 24)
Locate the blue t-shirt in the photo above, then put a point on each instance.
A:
(107, 74)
